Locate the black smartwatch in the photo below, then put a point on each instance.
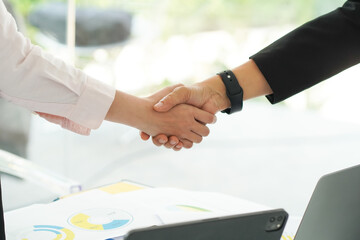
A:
(233, 91)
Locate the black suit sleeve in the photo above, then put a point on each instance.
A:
(312, 53)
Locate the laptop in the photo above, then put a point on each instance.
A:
(333, 212)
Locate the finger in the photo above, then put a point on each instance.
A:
(193, 137)
(204, 117)
(168, 146)
(178, 146)
(144, 136)
(200, 129)
(173, 141)
(160, 140)
(186, 143)
(177, 96)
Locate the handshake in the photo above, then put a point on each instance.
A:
(176, 116)
(182, 113)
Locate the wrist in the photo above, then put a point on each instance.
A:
(233, 91)
(128, 109)
(217, 91)
(139, 113)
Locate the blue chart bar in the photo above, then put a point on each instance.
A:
(48, 226)
(115, 224)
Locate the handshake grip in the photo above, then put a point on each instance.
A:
(209, 96)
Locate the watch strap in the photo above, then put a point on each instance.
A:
(233, 91)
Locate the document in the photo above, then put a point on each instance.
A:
(104, 214)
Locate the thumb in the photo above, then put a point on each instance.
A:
(177, 96)
(165, 91)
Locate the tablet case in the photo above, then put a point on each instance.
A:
(333, 212)
(265, 225)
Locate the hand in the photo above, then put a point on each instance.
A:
(184, 121)
(187, 122)
(209, 95)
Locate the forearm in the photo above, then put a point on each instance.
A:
(251, 80)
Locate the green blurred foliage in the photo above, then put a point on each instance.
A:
(25, 6)
(184, 15)
(189, 16)
(253, 11)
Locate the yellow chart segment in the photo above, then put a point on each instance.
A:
(82, 220)
(120, 187)
(69, 234)
(287, 237)
(58, 237)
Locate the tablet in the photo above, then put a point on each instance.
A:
(265, 225)
(333, 212)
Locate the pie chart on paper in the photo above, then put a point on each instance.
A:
(47, 232)
(100, 219)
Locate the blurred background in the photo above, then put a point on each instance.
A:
(268, 154)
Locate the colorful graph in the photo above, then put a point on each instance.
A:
(48, 232)
(187, 208)
(100, 219)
